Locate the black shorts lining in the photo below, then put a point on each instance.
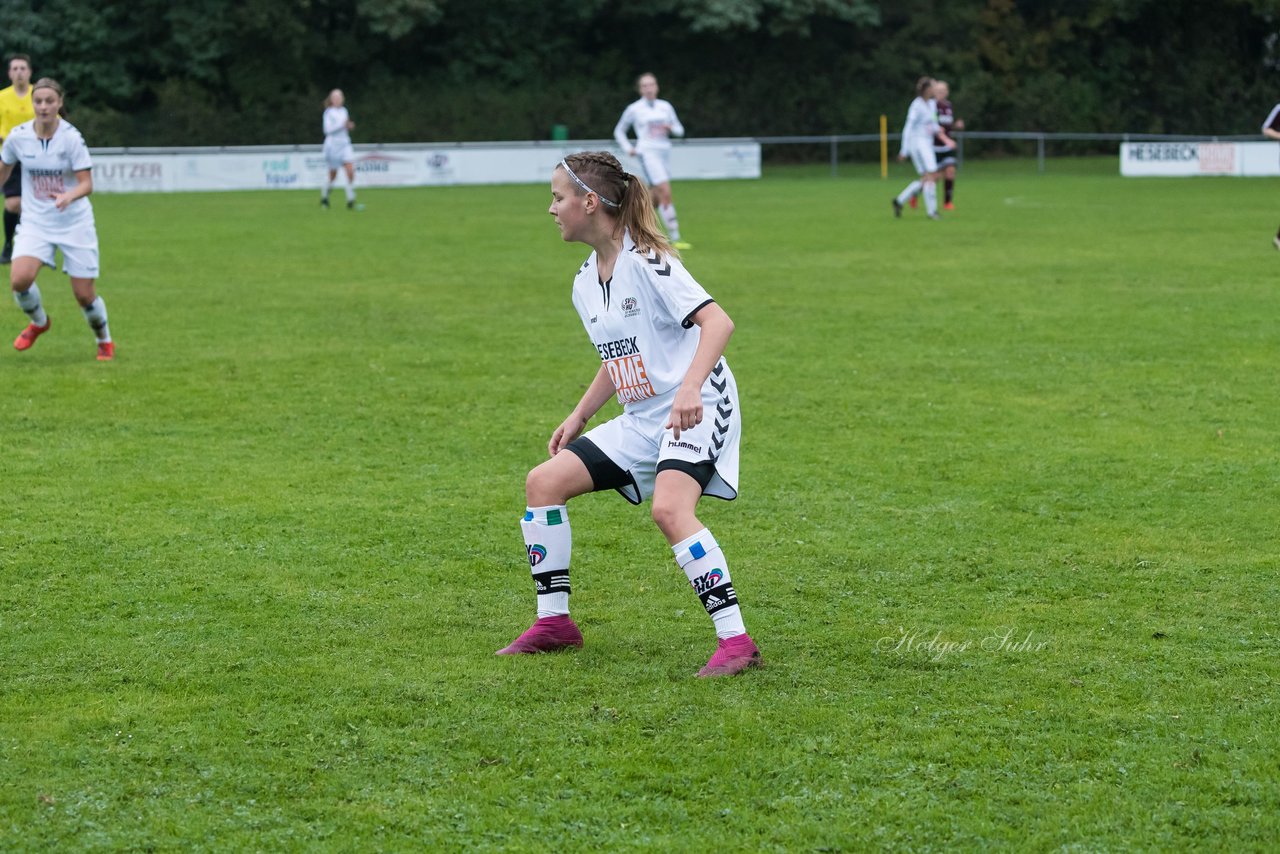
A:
(701, 472)
(605, 473)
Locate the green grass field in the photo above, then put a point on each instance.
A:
(1006, 536)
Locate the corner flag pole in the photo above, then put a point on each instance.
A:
(884, 147)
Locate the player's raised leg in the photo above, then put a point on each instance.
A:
(908, 192)
(26, 293)
(548, 541)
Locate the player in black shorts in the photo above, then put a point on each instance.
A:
(946, 153)
(12, 189)
(15, 108)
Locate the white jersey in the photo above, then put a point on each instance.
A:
(48, 170)
(640, 323)
(922, 124)
(649, 119)
(335, 127)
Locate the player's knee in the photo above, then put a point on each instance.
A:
(668, 515)
(542, 488)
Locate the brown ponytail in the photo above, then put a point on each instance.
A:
(602, 172)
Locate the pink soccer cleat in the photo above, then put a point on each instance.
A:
(106, 351)
(547, 634)
(733, 656)
(28, 336)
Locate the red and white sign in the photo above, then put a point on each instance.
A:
(1183, 159)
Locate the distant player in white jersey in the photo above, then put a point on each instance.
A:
(661, 340)
(338, 152)
(56, 215)
(918, 135)
(1271, 130)
(654, 121)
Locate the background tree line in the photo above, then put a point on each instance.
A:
(214, 72)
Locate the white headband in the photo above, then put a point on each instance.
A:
(583, 185)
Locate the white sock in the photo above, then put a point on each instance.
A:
(668, 213)
(29, 302)
(931, 197)
(351, 191)
(324, 194)
(96, 314)
(549, 542)
(905, 195)
(703, 563)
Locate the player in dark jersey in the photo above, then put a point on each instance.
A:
(1271, 130)
(946, 153)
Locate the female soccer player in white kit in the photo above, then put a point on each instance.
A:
(56, 214)
(918, 135)
(654, 121)
(337, 146)
(661, 341)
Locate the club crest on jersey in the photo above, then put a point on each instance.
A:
(630, 308)
(537, 554)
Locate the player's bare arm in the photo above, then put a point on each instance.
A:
(596, 396)
(716, 329)
(84, 186)
(1269, 132)
(5, 170)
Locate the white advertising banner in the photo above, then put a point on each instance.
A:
(303, 167)
(1181, 159)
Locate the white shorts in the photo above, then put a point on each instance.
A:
(656, 164)
(923, 158)
(625, 453)
(338, 155)
(79, 249)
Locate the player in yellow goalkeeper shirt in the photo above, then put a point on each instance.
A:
(15, 108)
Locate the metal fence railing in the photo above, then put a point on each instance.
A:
(834, 141)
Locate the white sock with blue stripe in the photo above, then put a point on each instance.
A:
(549, 542)
(704, 565)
